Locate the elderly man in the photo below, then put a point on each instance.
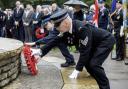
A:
(95, 45)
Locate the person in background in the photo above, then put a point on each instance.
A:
(55, 8)
(90, 14)
(78, 14)
(36, 21)
(117, 18)
(103, 15)
(27, 21)
(9, 24)
(2, 23)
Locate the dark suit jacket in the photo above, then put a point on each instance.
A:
(103, 19)
(118, 19)
(9, 22)
(18, 16)
(2, 19)
(38, 18)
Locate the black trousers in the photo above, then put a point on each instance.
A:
(8, 32)
(119, 44)
(18, 33)
(63, 48)
(94, 64)
(65, 52)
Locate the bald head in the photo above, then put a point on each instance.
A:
(54, 6)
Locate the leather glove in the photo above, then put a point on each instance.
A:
(74, 74)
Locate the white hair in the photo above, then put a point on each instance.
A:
(92, 7)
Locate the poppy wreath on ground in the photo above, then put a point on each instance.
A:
(40, 35)
(30, 60)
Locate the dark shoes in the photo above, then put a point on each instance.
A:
(119, 59)
(67, 64)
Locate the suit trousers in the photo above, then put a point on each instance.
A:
(119, 44)
(97, 58)
(65, 52)
(28, 33)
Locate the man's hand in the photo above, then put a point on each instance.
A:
(26, 24)
(35, 22)
(16, 23)
(74, 74)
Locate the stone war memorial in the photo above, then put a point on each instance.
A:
(10, 51)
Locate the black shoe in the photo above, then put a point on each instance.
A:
(119, 59)
(67, 64)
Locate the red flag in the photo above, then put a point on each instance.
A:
(95, 17)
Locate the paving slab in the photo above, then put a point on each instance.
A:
(49, 77)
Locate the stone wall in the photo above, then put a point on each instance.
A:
(9, 70)
(9, 61)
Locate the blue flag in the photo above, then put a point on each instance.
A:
(113, 7)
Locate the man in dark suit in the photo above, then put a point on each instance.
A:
(103, 15)
(18, 30)
(36, 21)
(95, 45)
(9, 24)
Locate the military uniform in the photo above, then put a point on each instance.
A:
(95, 46)
(118, 22)
(62, 46)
